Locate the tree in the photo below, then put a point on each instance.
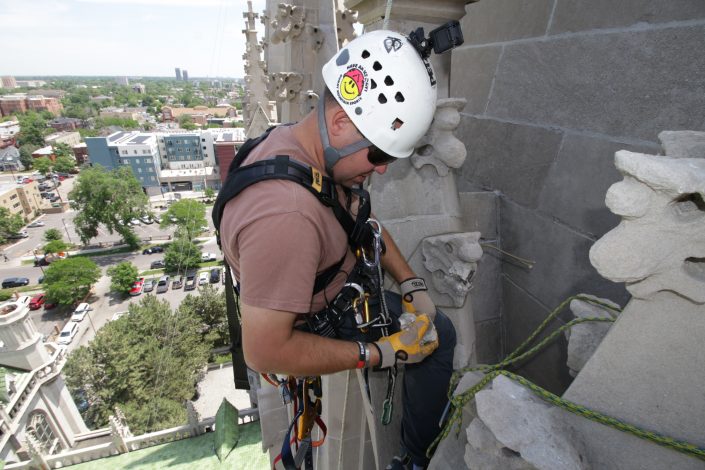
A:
(147, 363)
(32, 129)
(209, 306)
(209, 193)
(43, 165)
(185, 122)
(55, 246)
(64, 164)
(122, 276)
(26, 157)
(69, 280)
(63, 150)
(53, 234)
(9, 224)
(111, 198)
(182, 255)
(188, 215)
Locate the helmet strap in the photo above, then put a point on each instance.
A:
(331, 154)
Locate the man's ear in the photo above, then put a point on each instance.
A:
(340, 122)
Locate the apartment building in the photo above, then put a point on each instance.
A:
(9, 129)
(184, 161)
(199, 114)
(24, 199)
(66, 124)
(8, 82)
(138, 150)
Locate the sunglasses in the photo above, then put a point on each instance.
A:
(377, 157)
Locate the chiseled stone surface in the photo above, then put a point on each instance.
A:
(527, 425)
(621, 84)
(452, 261)
(505, 20)
(580, 15)
(683, 144)
(484, 452)
(584, 338)
(659, 245)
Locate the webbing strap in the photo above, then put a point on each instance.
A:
(233, 314)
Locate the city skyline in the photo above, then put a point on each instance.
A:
(135, 38)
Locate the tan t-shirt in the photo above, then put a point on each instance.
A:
(277, 236)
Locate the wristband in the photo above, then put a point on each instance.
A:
(363, 356)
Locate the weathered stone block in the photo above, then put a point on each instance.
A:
(505, 20)
(480, 213)
(606, 83)
(485, 452)
(683, 144)
(562, 266)
(524, 423)
(580, 15)
(472, 71)
(521, 315)
(511, 158)
(578, 180)
(584, 338)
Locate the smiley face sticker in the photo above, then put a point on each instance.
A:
(352, 84)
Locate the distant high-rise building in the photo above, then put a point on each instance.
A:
(177, 70)
(185, 75)
(9, 82)
(122, 81)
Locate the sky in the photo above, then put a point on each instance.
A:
(131, 38)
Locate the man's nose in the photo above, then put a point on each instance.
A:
(382, 169)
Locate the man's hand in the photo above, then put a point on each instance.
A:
(407, 346)
(415, 298)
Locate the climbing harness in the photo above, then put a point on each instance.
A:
(347, 316)
(453, 413)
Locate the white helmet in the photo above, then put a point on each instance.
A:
(387, 90)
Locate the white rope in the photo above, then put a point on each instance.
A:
(369, 414)
(387, 12)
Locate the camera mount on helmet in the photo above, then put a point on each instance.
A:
(441, 39)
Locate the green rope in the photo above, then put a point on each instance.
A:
(459, 401)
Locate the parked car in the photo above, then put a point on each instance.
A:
(23, 300)
(147, 220)
(14, 282)
(37, 302)
(20, 234)
(203, 278)
(67, 334)
(178, 282)
(190, 281)
(118, 315)
(163, 284)
(36, 223)
(205, 257)
(135, 222)
(153, 249)
(149, 285)
(49, 305)
(159, 264)
(54, 198)
(81, 311)
(215, 275)
(137, 287)
(40, 280)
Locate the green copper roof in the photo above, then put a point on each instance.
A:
(188, 454)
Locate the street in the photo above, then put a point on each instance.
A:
(104, 304)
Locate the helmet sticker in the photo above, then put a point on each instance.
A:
(429, 70)
(352, 84)
(392, 44)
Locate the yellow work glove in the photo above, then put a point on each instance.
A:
(408, 345)
(415, 298)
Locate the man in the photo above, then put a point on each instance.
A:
(280, 238)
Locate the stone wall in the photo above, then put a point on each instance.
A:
(554, 88)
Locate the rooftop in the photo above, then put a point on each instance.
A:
(187, 454)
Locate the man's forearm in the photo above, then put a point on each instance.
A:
(393, 261)
(309, 354)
